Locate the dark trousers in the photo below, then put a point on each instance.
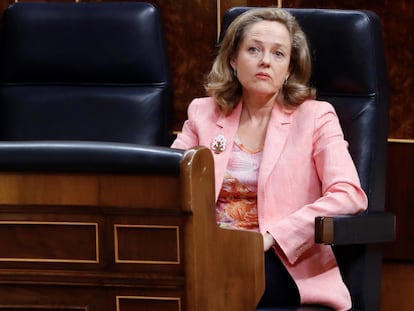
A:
(281, 289)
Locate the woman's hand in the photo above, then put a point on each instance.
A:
(268, 241)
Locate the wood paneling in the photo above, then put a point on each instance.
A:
(400, 199)
(191, 30)
(111, 256)
(397, 287)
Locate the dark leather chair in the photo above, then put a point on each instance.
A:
(95, 212)
(84, 72)
(349, 71)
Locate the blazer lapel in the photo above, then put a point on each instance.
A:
(226, 126)
(274, 143)
(277, 132)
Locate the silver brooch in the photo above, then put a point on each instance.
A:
(219, 144)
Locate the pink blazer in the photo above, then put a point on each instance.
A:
(306, 171)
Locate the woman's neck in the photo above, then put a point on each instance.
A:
(258, 104)
(254, 120)
(256, 109)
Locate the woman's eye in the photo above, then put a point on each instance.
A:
(278, 53)
(253, 49)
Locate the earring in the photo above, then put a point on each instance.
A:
(285, 83)
(235, 72)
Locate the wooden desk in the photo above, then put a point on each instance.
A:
(98, 242)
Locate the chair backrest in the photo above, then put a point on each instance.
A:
(84, 71)
(349, 71)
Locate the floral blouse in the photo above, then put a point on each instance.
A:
(237, 202)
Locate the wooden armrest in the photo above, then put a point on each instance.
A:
(355, 229)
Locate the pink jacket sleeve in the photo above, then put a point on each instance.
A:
(338, 192)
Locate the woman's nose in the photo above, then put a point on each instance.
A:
(266, 58)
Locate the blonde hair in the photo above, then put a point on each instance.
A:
(224, 86)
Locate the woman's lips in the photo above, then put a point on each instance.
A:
(263, 76)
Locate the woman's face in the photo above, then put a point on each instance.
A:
(262, 61)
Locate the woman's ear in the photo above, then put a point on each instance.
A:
(233, 63)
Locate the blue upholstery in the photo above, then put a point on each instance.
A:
(349, 71)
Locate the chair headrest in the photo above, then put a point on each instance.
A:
(83, 42)
(339, 67)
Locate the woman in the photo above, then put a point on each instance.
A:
(280, 155)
